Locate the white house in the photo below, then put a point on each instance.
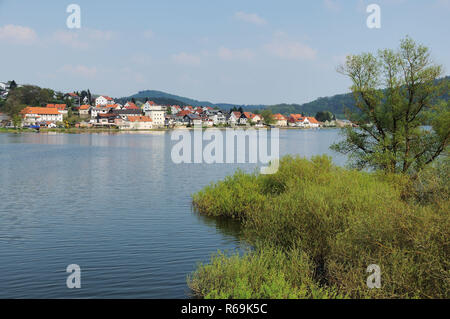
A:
(99, 110)
(234, 118)
(139, 123)
(279, 120)
(103, 100)
(155, 112)
(84, 110)
(35, 115)
(152, 106)
(62, 108)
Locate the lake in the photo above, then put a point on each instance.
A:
(116, 205)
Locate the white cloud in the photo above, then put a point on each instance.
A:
(94, 34)
(250, 17)
(70, 38)
(229, 54)
(82, 39)
(287, 49)
(186, 59)
(79, 70)
(17, 34)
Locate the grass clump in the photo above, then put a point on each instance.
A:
(316, 227)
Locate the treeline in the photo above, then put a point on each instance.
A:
(335, 104)
(157, 100)
(31, 95)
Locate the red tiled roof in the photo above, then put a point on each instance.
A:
(131, 105)
(248, 115)
(106, 97)
(58, 106)
(279, 117)
(40, 110)
(296, 118)
(183, 113)
(312, 120)
(139, 119)
(84, 107)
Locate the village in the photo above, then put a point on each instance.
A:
(83, 111)
(106, 113)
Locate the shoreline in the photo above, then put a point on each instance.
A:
(115, 131)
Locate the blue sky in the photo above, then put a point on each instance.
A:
(243, 52)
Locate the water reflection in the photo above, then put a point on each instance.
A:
(116, 205)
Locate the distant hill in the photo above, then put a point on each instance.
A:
(334, 104)
(157, 96)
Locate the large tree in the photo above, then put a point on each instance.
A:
(268, 117)
(27, 95)
(396, 93)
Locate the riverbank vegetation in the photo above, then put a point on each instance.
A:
(317, 227)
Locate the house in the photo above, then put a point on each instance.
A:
(131, 105)
(107, 119)
(279, 119)
(250, 118)
(99, 110)
(103, 100)
(297, 120)
(234, 117)
(124, 113)
(72, 96)
(257, 119)
(84, 110)
(175, 109)
(62, 108)
(313, 122)
(151, 106)
(158, 116)
(192, 119)
(115, 106)
(140, 123)
(180, 118)
(37, 115)
(216, 116)
(198, 110)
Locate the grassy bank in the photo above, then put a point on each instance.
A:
(316, 227)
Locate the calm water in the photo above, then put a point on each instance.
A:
(117, 206)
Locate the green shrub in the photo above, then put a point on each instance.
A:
(331, 223)
(267, 273)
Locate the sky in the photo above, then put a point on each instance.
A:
(227, 51)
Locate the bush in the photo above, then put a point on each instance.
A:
(267, 273)
(331, 223)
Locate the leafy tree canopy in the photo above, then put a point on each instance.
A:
(396, 92)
